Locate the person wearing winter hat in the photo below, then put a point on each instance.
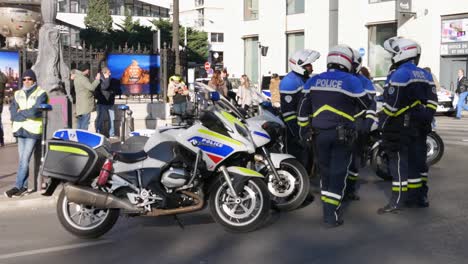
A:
(84, 90)
(27, 128)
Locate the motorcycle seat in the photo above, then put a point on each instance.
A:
(130, 157)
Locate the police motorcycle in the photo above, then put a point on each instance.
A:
(178, 171)
(378, 158)
(287, 179)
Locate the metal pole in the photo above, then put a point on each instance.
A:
(259, 67)
(45, 108)
(185, 37)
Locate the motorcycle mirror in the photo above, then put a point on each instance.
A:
(214, 96)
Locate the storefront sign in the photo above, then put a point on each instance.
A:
(403, 6)
(454, 49)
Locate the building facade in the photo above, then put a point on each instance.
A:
(440, 27)
(71, 14)
(208, 16)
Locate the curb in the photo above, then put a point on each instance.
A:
(33, 201)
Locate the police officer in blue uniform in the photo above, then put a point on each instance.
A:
(328, 110)
(364, 121)
(291, 87)
(408, 109)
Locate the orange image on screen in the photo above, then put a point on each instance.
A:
(134, 74)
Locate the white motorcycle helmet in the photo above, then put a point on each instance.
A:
(301, 58)
(357, 62)
(341, 56)
(402, 49)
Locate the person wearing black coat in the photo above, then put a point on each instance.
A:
(105, 97)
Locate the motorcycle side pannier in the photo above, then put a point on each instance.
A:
(71, 161)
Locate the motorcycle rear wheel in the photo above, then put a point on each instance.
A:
(245, 215)
(85, 221)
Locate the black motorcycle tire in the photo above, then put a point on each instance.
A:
(95, 232)
(379, 163)
(379, 158)
(255, 224)
(441, 148)
(293, 166)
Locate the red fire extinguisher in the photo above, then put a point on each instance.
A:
(106, 170)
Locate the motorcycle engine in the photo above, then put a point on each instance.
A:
(174, 177)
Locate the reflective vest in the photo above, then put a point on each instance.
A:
(32, 125)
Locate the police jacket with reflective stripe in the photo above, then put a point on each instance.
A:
(24, 112)
(408, 90)
(369, 115)
(291, 93)
(334, 98)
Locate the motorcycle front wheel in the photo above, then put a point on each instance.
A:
(85, 221)
(245, 214)
(291, 191)
(435, 148)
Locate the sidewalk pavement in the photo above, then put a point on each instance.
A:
(8, 167)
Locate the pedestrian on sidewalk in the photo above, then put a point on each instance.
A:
(84, 95)
(3, 81)
(462, 92)
(27, 128)
(105, 97)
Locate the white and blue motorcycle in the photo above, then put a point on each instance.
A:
(178, 171)
(285, 176)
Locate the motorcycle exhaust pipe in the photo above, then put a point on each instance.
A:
(98, 199)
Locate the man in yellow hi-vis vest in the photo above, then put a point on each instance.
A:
(27, 127)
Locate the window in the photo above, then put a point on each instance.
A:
(379, 59)
(251, 58)
(116, 7)
(217, 37)
(295, 42)
(155, 11)
(199, 2)
(146, 10)
(129, 7)
(201, 17)
(250, 9)
(138, 8)
(63, 6)
(164, 12)
(294, 6)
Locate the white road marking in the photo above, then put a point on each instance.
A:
(51, 249)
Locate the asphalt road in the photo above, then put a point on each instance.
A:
(438, 234)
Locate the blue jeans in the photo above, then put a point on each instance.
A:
(180, 108)
(102, 112)
(83, 121)
(25, 151)
(462, 104)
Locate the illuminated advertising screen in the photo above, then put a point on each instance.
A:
(134, 74)
(454, 30)
(9, 65)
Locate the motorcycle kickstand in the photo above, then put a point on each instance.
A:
(181, 225)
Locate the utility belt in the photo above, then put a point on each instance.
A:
(344, 135)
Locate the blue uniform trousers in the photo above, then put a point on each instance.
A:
(417, 178)
(396, 146)
(334, 159)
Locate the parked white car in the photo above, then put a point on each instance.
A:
(446, 103)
